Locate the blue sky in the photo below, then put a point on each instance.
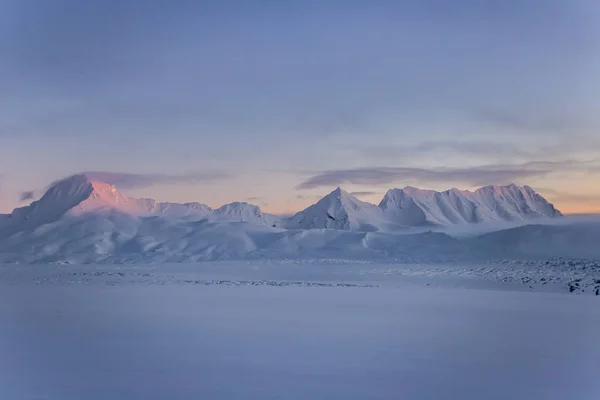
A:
(280, 102)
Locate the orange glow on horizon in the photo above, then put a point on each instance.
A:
(578, 209)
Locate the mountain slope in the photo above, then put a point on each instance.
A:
(62, 197)
(337, 210)
(176, 210)
(572, 240)
(113, 237)
(244, 212)
(116, 238)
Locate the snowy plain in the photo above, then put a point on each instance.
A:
(290, 330)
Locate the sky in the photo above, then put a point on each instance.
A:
(278, 103)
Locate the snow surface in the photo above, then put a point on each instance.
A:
(113, 237)
(73, 332)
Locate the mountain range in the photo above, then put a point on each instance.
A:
(80, 220)
(78, 195)
(412, 207)
(400, 208)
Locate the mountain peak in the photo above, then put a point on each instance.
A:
(238, 207)
(238, 204)
(244, 212)
(414, 190)
(337, 210)
(71, 185)
(59, 199)
(338, 192)
(500, 188)
(79, 187)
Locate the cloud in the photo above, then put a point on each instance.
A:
(366, 193)
(480, 147)
(124, 180)
(474, 176)
(533, 121)
(302, 197)
(28, 195)
(490, 149)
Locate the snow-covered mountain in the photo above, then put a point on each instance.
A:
(244, 212)
(78, 195)
(400, 208)
(81, 220)
(414, 207)
(337, 210)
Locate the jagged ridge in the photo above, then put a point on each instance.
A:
(400, 208)
(412, 207)
(78, 195)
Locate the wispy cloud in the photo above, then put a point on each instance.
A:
(532, 121)
(489, 149)
(474, 176)
(126, 180)
(302, 197)
(480, 148)
(28, 195)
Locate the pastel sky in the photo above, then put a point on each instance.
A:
(278, 102)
